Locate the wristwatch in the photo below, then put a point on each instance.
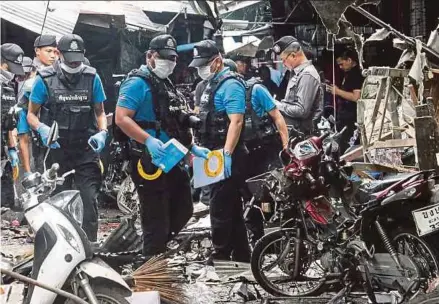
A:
(227, 153)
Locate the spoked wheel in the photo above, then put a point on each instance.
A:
(414, 247)
(105, 294)
(127, 197)
(273, 264)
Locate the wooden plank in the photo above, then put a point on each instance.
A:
(376, 108)
(394, 143)
(422, 110)
(354, 154)
(426, 142)
(386, 102)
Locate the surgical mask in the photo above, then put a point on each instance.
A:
(70, 70)
(163, 68)
(205, 73)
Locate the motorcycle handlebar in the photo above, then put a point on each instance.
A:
(51, 173)
(310, 178)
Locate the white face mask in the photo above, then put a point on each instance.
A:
(163, 67)
(205, 73)
(70, 70)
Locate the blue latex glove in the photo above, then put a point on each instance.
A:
(200, 151)
(13, 157)
(44, 130)
(227, 166)
(155, 147)
(26, 174)
(97, 141)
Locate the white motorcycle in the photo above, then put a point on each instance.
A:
(63, 257)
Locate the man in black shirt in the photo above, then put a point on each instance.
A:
(347, 95)
(264, 73)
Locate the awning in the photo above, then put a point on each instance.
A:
(248, 47)
(61, 18)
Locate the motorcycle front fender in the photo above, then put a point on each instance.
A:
(96, 268)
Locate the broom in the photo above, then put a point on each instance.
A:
(157, 275)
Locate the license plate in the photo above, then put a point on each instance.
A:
(427, 219)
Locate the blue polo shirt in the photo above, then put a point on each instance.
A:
(39, 94)
(230, 96)
(135, 94)
(261, 101)
(23, 126)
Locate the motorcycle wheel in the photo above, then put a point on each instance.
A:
(430, 298)
(271, 246)
(105, 294)
(409, 244)
(127, 197)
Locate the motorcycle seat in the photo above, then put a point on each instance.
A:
(367, 191)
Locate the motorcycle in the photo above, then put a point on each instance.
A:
(305, 253)
(59, 240)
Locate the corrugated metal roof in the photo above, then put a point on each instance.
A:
(63, 15)
(165, 6)
(60, 20)
(134, 16)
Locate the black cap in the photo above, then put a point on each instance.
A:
(280, 45)
(204, 51)
(13, 54)
(45, 40)
(28, 64)
(72, 47)
(165, 45)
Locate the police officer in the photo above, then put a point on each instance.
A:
(149, 111)
(303, 104)
(45, 51)
(222, 110)
(72, 94)
(45, 55)
(261, 121)
(11, 64)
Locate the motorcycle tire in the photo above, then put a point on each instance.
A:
(105, 293)
(430, 298)
(409, 233)
(258, 250)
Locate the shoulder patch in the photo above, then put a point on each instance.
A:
(89, 70)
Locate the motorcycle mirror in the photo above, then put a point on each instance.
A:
(285, 158)
(53, 134)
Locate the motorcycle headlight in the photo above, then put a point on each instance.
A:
(70, 202)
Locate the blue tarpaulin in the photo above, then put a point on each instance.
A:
(185, 47)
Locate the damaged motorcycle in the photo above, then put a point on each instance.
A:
(326, 240)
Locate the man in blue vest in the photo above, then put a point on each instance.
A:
(150, 111)
(71, 93)
(222, 109)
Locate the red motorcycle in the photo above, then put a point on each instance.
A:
(315, 191)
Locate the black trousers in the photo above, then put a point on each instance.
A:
(229, 235)
(165, 206)
(7, 186)
(87, 179)
(261, 160)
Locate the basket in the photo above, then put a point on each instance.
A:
(260, 185)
